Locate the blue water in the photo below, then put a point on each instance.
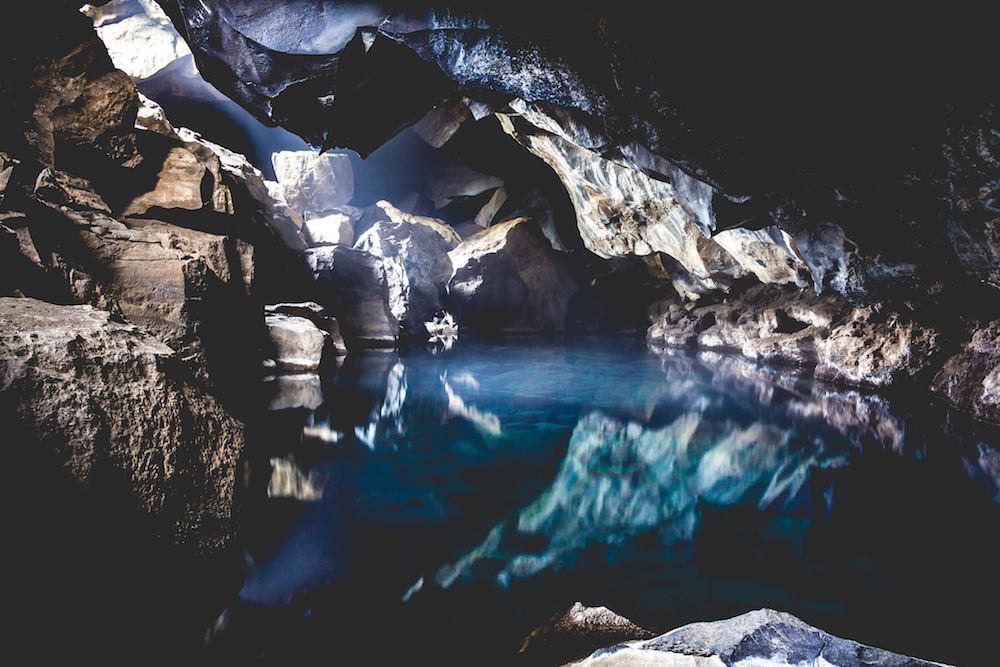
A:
(437, 504)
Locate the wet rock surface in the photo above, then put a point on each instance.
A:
(763, 637)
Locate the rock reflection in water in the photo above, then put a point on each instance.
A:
(432, 478)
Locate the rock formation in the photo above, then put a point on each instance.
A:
(314, 184)
(113, 405)
(508, 278)
(971, 379)
(353, 285)
(414, 251)
(763, 637)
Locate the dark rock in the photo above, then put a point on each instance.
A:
(352, 285)
(508, 278)
(763, 637)
(577, 632)
(970, 380)
(112, 402)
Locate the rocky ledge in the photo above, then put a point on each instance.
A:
(765, 638)
(115, 408)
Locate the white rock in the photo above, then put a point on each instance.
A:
(314, 184)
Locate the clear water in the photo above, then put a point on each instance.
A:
(436, 505)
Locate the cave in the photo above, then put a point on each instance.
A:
(500, 333)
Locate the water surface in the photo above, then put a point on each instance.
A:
(438, 504)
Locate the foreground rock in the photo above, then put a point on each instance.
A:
(577, 632)
(864, 345)
(762, 637)
(414, 251)
(352, 284)
(508, 278)
(110, 402)
(971, 379)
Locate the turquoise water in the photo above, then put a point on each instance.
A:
(438, 504)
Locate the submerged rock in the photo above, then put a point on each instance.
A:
(970, 380)
(109, 401)
(414, 252)
(508, 278)
(762, 637)
(352, 285)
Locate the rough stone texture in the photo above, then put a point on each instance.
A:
(970, 380)
(762, 637)
(294, 343)
(864, 345)
(508, 278)
(314, 184)
(111, 402)
(352, 285)
(177, 184)
(138, 35)
(67, 103)
(414, 252)
(578, 631)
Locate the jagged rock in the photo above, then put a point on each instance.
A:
(352, 285)
(414, 252)
(508, 278)
(769, 254)
(457, 181)
(109, 401)
(314, 184)
(68, 104)
(294, 343)
(535, 205)
(65, 189)
(762, 637)
(332, 229)
(970, 380)
(578, 631)
(138, 35)
(865, 345)
(490, 209)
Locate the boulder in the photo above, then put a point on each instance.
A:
(414, 252)
(110, 402)
(333, 229)
(762, 637)
(970, 380)
(352, 285)
(508, 278)
(316, 314)
(138, 35)
(294, 343)
(314, 184)
(440, 123)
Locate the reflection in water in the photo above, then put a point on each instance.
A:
(438, 479)
(620, 478)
